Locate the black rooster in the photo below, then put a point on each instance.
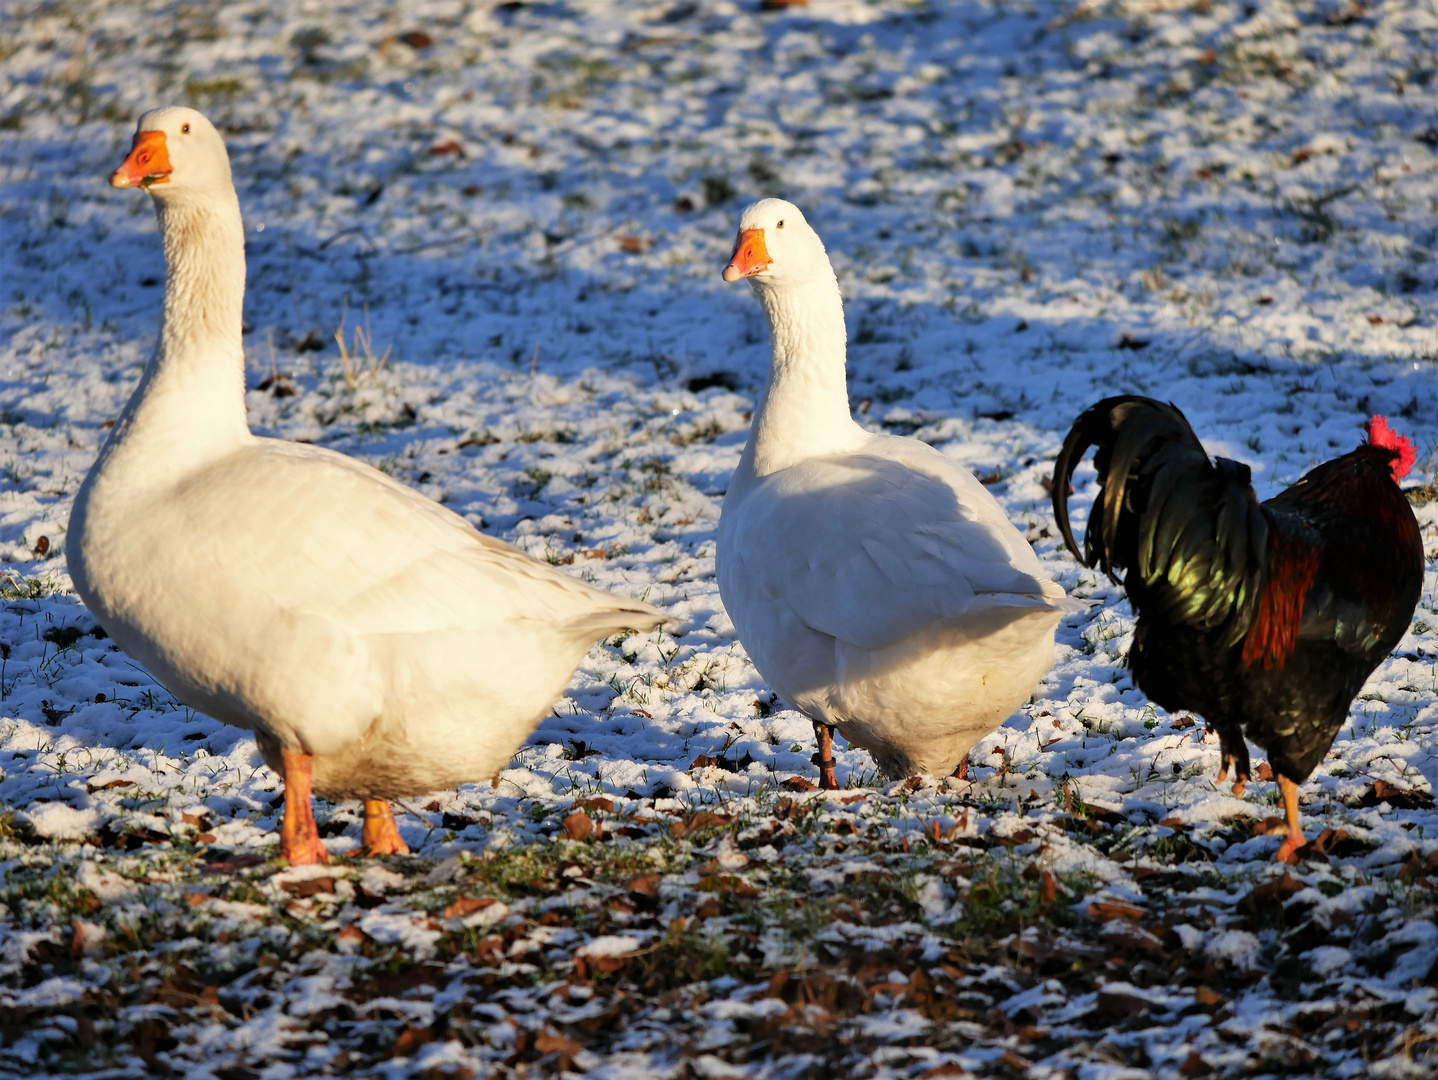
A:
(1264, 618)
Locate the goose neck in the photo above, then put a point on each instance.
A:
(190, 403)
(804, 410)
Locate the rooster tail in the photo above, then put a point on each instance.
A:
(1188, 533)
(1126, 430)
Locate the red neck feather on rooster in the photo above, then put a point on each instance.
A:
(1293, 563)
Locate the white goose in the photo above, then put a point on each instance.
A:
(376, 643)
(877, 585)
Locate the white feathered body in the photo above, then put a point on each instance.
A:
(299, 593)
(303, 595)
(884, 592)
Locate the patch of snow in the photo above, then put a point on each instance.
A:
(608, 945)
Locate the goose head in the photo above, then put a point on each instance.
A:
(176, 153)
(777, 248)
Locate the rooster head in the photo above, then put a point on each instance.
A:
(1380, 434)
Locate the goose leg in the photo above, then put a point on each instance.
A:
(825, 757)
(299, 835)
(1295, 839)
(381, 834)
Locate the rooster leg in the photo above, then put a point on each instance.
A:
(1295, 839)
(825, 757)
(1240, 773)
(299, 835)
(381, 834)
(1235, 756)
(1240, 770)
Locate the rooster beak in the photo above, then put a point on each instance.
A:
(750, 256)
(148, 163)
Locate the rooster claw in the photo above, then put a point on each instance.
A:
(1288, 850)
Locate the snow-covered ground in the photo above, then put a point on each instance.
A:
(514, 215)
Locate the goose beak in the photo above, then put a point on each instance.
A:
(750, 256)
(148, 163)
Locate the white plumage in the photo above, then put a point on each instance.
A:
(877, 585)
(364, 632)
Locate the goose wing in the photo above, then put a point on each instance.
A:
(872, 547)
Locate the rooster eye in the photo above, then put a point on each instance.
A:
(184, 129)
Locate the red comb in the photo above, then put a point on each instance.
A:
(1380, 434)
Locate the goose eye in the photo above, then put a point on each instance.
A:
(780, 225)
(184, 129)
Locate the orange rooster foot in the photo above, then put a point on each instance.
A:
(1240, 774)
(381, 834)
(1287, 851)
(300, 843)
(824, 734)
(1295, 838)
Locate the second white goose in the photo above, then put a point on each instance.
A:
(877, 585)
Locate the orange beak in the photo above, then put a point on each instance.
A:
(750, 256)
(148, 163)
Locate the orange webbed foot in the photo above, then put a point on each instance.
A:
(381, 834)
(304, 852)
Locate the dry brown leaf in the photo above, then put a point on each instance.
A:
(1207, 999)
(1115, 909)
(1121, 1002)
(578, 825)
(732, 884)
(1274, 890)
(1049, 890)
(645, 885)
(704, 819)
(1193, 1065)
(109, 785)
(468, 905)
(1396, 797)
(309, 887)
